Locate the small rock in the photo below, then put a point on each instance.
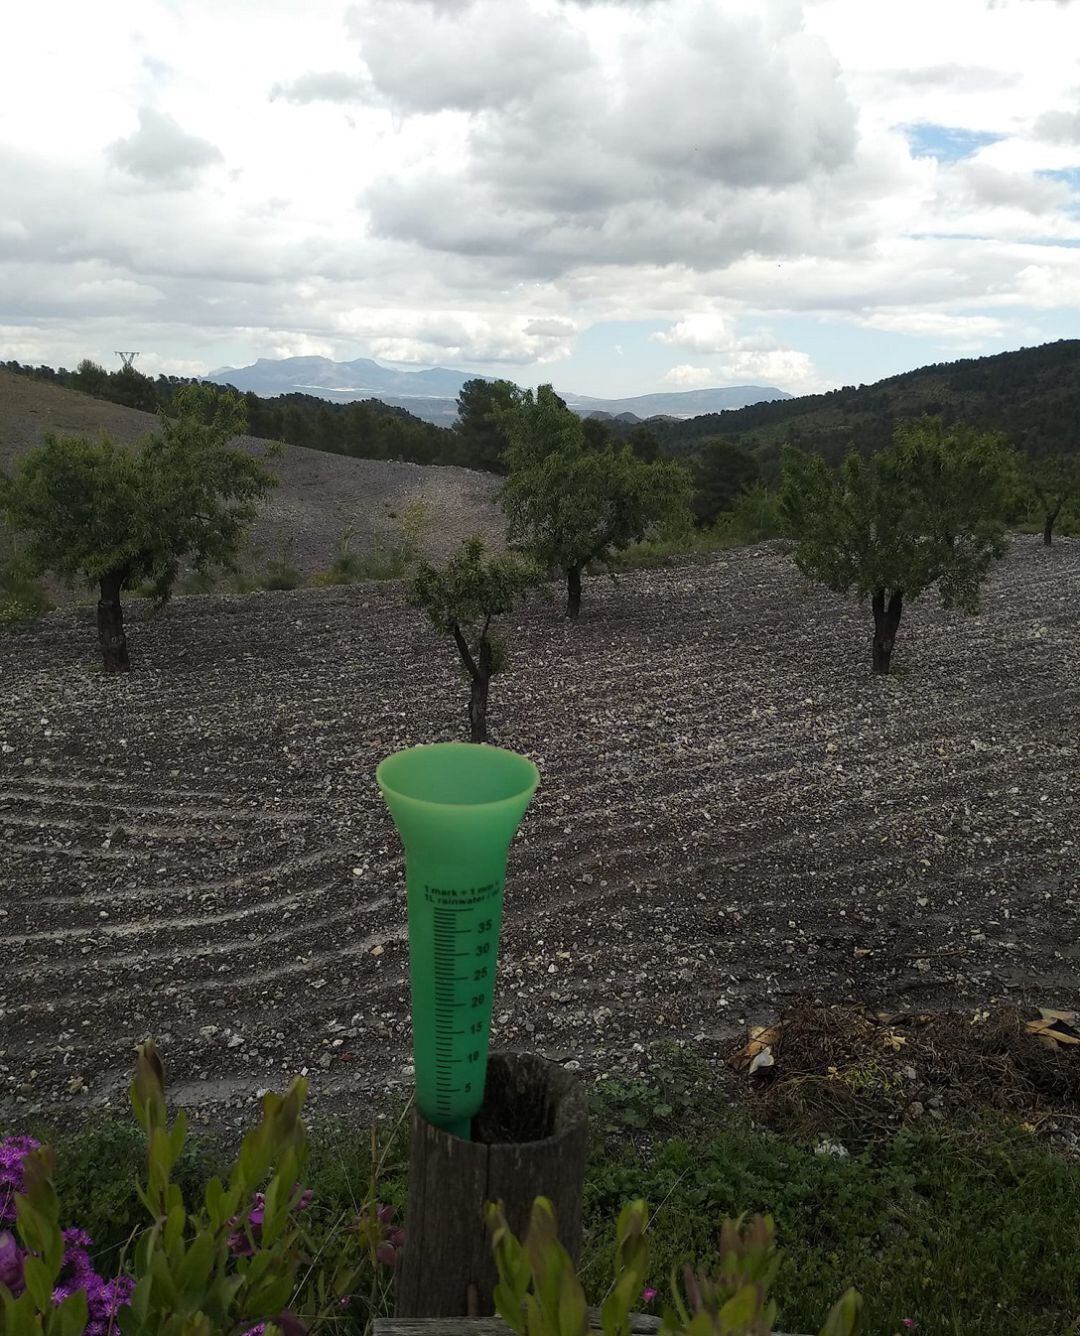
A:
(833, 1148)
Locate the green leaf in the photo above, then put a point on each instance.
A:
(148, 1087)
(214, 1198)
(573, 1309)
(173, 1234)
(194, 1271)
(740, 1310)
(39, 1282)
(72, 1314)
(846, 1316)
(140, 1297)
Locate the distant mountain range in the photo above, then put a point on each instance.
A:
(432, 395)
(679, 404)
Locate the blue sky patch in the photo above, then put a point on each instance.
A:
(1070, 175)
(946, 143)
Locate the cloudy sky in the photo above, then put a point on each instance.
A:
(620, 196)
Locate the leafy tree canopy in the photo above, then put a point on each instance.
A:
(470, 589)
(99, 513)
(1052, 483)
(480, 432)
(722, 470)
(928, 510)
(461, 599)
(93, 509)
(567, 504)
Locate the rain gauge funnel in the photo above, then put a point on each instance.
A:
(456, 806)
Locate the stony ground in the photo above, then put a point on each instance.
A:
(735, 817)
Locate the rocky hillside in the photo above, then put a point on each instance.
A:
(319, 495)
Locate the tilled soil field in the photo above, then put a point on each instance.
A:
(735, 818)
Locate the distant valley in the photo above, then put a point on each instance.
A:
(432, 395)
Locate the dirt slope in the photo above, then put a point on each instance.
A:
(318, 495)
(734, 816)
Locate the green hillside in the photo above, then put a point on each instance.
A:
(1032, 395)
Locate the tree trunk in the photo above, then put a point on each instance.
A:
(480, 673)
(478, 699)
(886, 625)
(529, 1141)
(110, 624)
(573, 592)
(1048, 526)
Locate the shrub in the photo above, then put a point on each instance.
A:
(22, 597)
(382, 563)
(197, 582)
(753, 517)
(231, 1264)
(280, 574)
(539, 1293)
(14, 610)
(672, 546)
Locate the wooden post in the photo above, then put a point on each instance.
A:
(529, 1140)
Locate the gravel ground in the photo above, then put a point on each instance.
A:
(735, 818)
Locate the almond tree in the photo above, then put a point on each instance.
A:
(101, 514)
(927, 511)
(568, 504)
(462, 599)
(1052, 481)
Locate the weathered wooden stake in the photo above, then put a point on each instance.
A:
(529, 1140)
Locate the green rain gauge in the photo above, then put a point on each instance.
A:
(456, 806)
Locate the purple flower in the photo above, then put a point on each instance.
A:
(246, 1238)
(388, 1239)
(11, 1263)
(286, 1322)
(13, 1151)
(648, 1294)
(104, 1298)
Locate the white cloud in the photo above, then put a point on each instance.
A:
(786, 368)
(686, 377)
(161, 152)
(1033, 194)
(753, 358)
(685, 141)
(483, 180)
(403, 335)
(323, 86)
(1059, 126)
(953, 76)
(972, 330)
(700, 334)
(489, 54)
